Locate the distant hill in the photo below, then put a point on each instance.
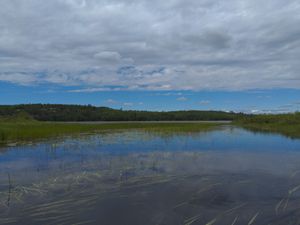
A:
(60, 112)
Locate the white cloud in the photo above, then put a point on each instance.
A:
(111, 102)
(204, 102)
(182, 99)
(255, 111)
(264, 96)
(168, 94)
(128, 104)
(157, 45)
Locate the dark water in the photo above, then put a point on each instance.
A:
(227, 176)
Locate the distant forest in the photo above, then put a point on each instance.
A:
(60, 112)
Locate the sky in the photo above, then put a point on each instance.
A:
(239, 55)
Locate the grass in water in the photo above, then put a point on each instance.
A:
(286, 124)
(19, 130)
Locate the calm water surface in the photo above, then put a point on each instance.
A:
(227, 176)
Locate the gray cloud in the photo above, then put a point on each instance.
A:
(151, 45)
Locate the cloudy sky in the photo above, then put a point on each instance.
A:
(104, 51)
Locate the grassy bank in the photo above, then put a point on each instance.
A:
(286, 124)
(19, 130)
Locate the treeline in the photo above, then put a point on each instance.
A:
(60, 112)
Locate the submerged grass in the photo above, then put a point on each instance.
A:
(29, 130)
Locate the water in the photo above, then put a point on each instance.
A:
(225, 176)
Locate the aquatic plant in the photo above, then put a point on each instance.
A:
(286, 124)
(18, 131)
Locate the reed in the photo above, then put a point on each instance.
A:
(286, 124)
(30, 130)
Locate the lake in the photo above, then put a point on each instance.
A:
(225, 176)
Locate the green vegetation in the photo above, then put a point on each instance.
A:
(287, 124)
(24, 122)
(50, 112)
(16, 129)
(27, 122)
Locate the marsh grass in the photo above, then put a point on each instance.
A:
(286, 124)
(29, 130)
(289, 130)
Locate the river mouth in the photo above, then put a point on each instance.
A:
(225, 176)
